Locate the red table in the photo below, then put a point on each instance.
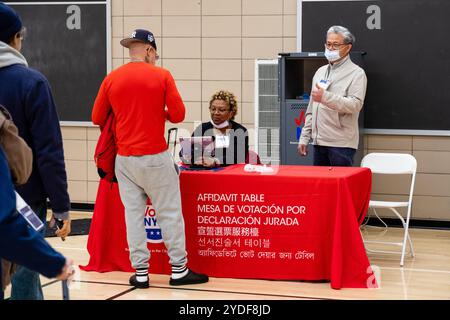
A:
(298, 223)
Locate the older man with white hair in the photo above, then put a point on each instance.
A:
(337, 97)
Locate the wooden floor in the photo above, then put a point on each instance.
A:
(427, 276)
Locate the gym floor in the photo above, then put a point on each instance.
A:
(426, 276)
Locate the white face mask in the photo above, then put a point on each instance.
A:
(220, 126)
(332, 55)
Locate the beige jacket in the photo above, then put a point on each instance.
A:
(334, 122)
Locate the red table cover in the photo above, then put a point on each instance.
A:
(298, 223)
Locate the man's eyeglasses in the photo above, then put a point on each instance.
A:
(214, 110)
(335, 46)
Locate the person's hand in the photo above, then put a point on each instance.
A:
(210, 162)
(317, 93)
(198, 161)
(67, 272)
(64, 231)
(185, 159)
(302, 149)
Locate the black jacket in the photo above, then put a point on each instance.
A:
(27, 96)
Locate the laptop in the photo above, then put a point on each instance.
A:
(195, 147)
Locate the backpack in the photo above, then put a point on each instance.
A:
(106, 151)
(18, 154)
(20, 162)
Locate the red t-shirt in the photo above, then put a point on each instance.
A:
(137, 93)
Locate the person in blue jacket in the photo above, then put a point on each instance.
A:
(27, 96)
(20, 243)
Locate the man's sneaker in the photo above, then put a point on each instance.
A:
(139, 284)
(190, 278)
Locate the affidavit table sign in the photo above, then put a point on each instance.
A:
(299, 223)
(231, 224)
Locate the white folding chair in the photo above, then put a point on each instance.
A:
(393, 163)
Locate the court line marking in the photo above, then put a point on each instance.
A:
(103, 282)
(50, 283)
(201, 290)
(243, 293)
(42, 286)
(121, 294)
(416, 270)
(383, 268)
(386, 268)
(98, 282)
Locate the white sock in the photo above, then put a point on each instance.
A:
(142, 274)
(141, 278)
(179, 271)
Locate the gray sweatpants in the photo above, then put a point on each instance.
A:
(154, 176)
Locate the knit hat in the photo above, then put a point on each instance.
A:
(10, 22)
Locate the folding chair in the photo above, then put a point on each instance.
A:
(393, 163)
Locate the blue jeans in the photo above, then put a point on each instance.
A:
(333, 156)
(25, 283)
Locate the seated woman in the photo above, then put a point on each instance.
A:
(230, 138)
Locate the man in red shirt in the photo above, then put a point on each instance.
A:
(142, 97)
